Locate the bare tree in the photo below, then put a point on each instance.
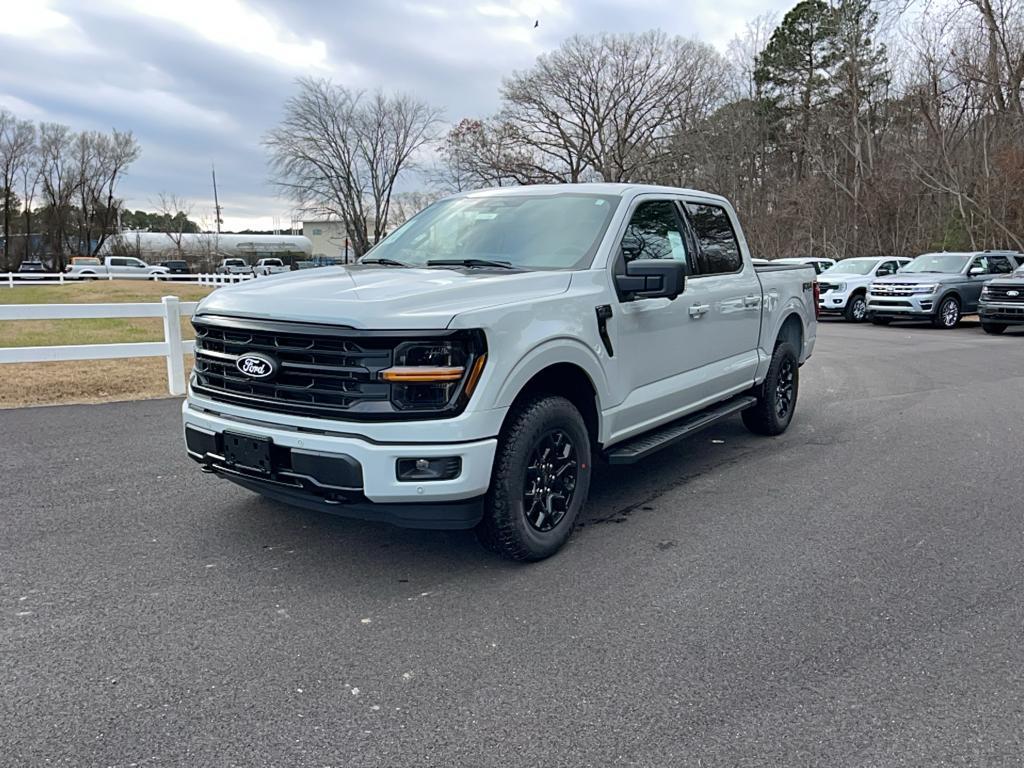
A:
(339, 153)
(101, 162)
(174, 212)
(605, 107)
(17, 147)
(59, 178)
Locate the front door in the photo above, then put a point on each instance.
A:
(990, 266)
(653, 362)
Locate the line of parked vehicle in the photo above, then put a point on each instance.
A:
(937, 287)
(87, 267)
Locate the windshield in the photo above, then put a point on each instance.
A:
(554, 231)
(851, 267)
(938, 262)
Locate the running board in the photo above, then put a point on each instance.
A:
(642, 446)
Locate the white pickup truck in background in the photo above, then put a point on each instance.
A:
(233, 267)
(473, 367)
(117, 267)
(270, 267)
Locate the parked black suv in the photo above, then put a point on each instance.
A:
(1002, 302)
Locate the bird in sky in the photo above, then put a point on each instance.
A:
(536, 24)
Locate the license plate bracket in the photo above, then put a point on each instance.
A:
(247, 452)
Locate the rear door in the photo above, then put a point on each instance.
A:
(723, 297)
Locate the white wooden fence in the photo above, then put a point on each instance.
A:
(17, 279)
(172, 347)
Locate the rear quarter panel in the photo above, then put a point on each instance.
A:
(786, 292)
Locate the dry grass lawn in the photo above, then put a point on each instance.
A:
(88, 381)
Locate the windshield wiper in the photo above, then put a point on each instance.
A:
(384, 260)
(469, 263)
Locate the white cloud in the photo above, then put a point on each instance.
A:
(231, 24)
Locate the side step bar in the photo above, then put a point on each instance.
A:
(642, 446)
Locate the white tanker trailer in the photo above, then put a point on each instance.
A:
(155, 246)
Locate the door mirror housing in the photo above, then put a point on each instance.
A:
(652, 279)
(883, 271)
(975, 271)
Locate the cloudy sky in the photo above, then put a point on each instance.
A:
(200, 81)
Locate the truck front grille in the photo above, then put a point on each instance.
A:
(321, 370)
(1003, 293)
(892, 289)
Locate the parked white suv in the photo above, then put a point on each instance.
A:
(470, 369)
(843, 287)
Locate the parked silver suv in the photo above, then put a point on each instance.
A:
(940, 287)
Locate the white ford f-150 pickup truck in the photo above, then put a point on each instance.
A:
(475, 364)
(117, 267)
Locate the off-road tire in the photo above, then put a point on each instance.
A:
(505, 528)
(856, 309)
(994, 328)
(945, 318)
(765, 418)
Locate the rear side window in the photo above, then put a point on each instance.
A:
(719, 249)
(999, 265)
(654, 232)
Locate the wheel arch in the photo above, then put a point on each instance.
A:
(791, 330)
(564, 379)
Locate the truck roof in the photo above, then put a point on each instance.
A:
(602, 188)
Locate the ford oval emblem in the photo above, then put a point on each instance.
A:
(256, 365)
(1013, 293)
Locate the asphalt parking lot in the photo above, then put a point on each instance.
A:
(849, 594)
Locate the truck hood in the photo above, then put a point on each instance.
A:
(385, 298)
(916, 278)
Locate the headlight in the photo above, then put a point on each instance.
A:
(433, 375)
(985, 292)
(839, 287)
(925, 289)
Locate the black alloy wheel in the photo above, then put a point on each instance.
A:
(784, 390)
(550, 480)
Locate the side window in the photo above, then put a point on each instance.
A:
(136, 263)
(979, 263)
(719, 250)
(999, 265)
(654, 232)
(119, 262)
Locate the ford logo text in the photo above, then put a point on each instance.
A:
(256, 366)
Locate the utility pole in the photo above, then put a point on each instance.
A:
(216, 202)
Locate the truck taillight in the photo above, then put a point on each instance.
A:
(816, 289)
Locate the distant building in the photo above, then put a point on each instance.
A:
(328, 238)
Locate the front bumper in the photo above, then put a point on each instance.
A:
(1011, 314)
(917, 305)
(348, 474)
(832, 302)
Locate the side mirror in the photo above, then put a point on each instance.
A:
(975, 271)
(883, 272)
(652, 279)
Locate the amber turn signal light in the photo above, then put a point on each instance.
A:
(421, 373)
